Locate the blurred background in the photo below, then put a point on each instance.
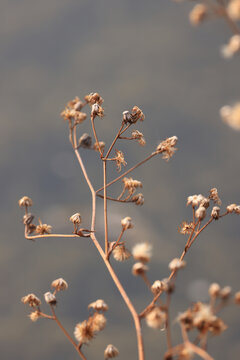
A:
(132, 52)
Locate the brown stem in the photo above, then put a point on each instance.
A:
(67, 334)
(123, 293)
(33, 237)
(105, 205)
(128, 171)
(114, 141)
(95, 135)
(116, 243)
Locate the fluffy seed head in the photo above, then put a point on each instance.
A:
(233, 10)
(176, 264)
(25, 201)
(156, 318)
(200, 213)
(214, 290)
(83, 332)
(110, 352)
(139, 269)
(120, 253)
(215, 212)
(50, 298)
(98, 322)
(194, 200)
(158, 286)
(34, 316)
(59, 284)
(142, 252)
(225, 292)
(127, 223)
(32, 300)
(98, 305)
(230, 208)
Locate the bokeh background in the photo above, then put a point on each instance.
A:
(132, 52)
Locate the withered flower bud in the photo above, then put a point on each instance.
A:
(110, 352)
(31, 228)
(28, 218)
(237, 209)
(59, 284)
(214, 290)
(138, 199)
(43, 229)
(225, 292)
(166, 147)
(176, 264)
(98, 305)
(215, 197)
(97, 110)
(97, 321)
(76, 218)
(139, 269)
(32, 300)
(93, 98)
(136, 115)
(195, 200)
(85, 141)
(156, 318)
(142, 252)
(158, 286)
(215, 212)
(205, 202)
(237, 298)
(126, 117)
(127, 223)
(79, 117)
(25, 201)
(200, 213)
(50, 298)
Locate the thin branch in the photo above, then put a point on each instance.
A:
(105, 206)
(114, 141)
(129, 170)
(95, 135)
(67, 334)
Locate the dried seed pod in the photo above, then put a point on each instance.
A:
(176, 264)
(139, 269)
(214, 290)
(158, 286)
(156, 318)
(142, 252)
(76, 219)
(83, 332)
(120, 253)
(215, 212)
(28, 218)
(59, 284)
(127, 223)
(25, 201)
(200, 213)
(110, 352)
(85, 141)
(50, 298)
(99, 305)
(32, 300)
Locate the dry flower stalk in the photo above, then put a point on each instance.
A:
(156, 313)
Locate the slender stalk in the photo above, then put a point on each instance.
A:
(129, 170)
(105, 205)
(67, 334)
(33, 237)
(114, 141)
(95, 135)
(123, 293)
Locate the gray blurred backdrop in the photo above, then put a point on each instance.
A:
(133, 52)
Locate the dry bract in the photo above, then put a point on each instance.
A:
(139, 137)
(32, 300)
(110, 352)
(25, 201)
(98, 305)
(156, 318)
(214, 196)
(186, 228)
(50, 298)
(142, 252)
(59, 284)
(119, 160)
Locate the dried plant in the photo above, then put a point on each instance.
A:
(199, 321)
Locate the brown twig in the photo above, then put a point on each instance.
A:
(67, 334)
